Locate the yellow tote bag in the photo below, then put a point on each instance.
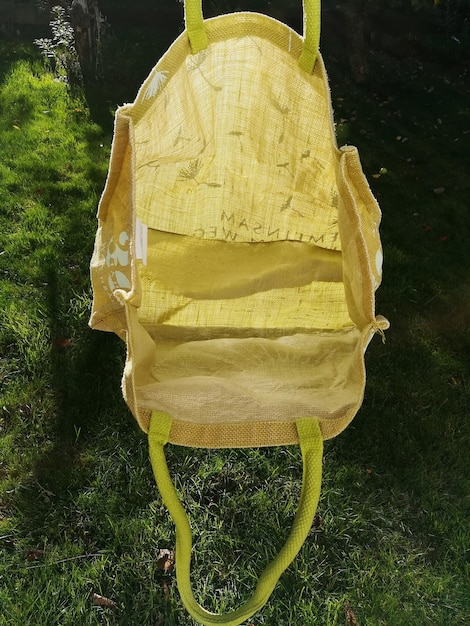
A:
(237, 255)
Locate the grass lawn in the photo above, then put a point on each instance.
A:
(82, 526)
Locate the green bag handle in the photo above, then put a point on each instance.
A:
(198, 38)
(311, 445)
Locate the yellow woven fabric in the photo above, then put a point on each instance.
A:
(238, 255)
(253, 300)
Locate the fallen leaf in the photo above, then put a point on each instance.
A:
(98, 600)
(350, 617)
(34, 554)
(166, 590)
(317, 521)
(382, 171)
(62, 342)
(16, 127)
(166, 560)
(26, 410)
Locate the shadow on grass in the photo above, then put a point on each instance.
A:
(86, 368)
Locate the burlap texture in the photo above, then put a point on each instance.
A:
(253, 301)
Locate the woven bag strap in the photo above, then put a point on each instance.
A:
(198, 38)
(311, 445)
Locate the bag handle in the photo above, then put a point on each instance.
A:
(311, 445)
(198, 38)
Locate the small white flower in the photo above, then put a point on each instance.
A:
(158, 80)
